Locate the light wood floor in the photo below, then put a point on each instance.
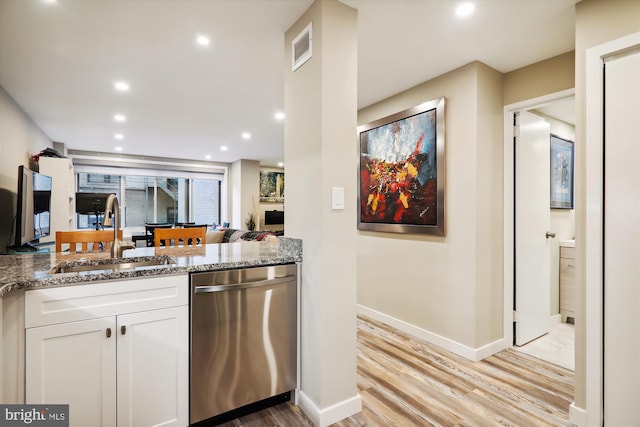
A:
(406, 382)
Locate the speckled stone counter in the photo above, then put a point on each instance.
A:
(35, 270)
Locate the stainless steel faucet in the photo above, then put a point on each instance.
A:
(112, 209)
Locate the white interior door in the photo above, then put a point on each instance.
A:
(622, 240)
(532, 222)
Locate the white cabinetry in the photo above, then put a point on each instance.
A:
(153, 368)
(74, 363)
(63, 191)
(568, 291)
(116, 352)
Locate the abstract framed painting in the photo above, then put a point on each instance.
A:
(561, 173)
(402, 170)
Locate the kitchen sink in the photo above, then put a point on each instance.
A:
(113, 264)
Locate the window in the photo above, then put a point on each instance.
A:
(138, 196)
(206, 201)
(93, 183)
(98, 179)
(159, 199)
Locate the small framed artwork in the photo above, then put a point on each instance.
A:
(402, 170)
(561, 173)
(271, 187)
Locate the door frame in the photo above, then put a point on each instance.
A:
(508, 215)
(593, 252)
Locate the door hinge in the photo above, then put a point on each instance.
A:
(515, 316)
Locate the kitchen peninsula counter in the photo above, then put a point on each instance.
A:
(31, 271)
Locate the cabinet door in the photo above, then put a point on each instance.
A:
(568, 292)
(153, 368)
(74, 363)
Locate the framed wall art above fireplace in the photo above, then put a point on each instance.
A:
(271, 187)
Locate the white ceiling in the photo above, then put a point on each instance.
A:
(59, 62)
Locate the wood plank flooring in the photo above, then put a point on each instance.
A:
(406, 382)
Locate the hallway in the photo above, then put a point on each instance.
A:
(406, 382)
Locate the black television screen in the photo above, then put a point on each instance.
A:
(91, 203)
(33, 214)
(274, 217)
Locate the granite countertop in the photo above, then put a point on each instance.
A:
(31, 271)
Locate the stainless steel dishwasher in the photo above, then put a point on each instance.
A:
(243, 338)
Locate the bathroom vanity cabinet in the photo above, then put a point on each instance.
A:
(568, 291)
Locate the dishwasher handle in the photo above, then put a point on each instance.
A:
(245, 285)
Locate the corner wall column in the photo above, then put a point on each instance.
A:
(244, 178)
(321, 153)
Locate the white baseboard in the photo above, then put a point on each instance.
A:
(577, 416)
(334, 413)
(556, 319)
(475, 354)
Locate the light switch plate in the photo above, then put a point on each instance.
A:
(337, 197)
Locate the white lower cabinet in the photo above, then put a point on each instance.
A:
(127, 369)
(74, 363)
(153, 368)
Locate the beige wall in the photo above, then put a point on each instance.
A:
(450, 286)
(20, 138)
(542, 78)
(321, 106)
(245, 197)
(488, 226)
(597, 22)
(303, 158)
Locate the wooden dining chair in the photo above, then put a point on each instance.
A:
(96, 240)
(173, 236)
(150, 228)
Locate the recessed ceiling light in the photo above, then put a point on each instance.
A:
(465, 9)
(280, 164)
(118, 136)
(207, 157)
(50, 1)
(223, 148)
(203, 40)
(279, 115)
(118, 148)
(121, 86)
(119, 118)
(246, 135)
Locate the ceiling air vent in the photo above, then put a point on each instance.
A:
(302, 47)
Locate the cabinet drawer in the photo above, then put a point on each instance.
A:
(566, 252)
(81, 302)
